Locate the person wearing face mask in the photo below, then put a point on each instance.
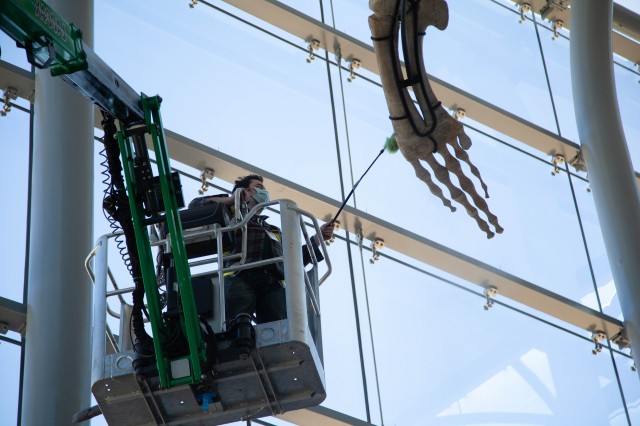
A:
(259, 290)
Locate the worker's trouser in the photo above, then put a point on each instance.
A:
(255, 291)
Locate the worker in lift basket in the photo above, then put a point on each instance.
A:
(259, 290)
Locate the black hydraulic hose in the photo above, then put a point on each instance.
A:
(117, 206)
(108, 208)
(113, 182)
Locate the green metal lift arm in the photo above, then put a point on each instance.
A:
(53, 43)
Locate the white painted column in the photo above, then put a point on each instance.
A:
(293, 272)
(605, 151)
(57, 351)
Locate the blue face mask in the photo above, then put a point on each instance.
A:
(261, 196)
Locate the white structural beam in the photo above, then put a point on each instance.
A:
(321, 416)
(21, 80)
(13, 316)
(626, 22)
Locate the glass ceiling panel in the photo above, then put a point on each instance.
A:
(308, 7)
(628, 88)
(630, 387)
(255, 99)
(598, 255)
(509, 141)
(347, 155)
(14, 169)
(500, 302)
(486, 52)
(630, 4)
(351, 17)
(13, 54)
(556, 56)
(10, 362)
(339, 338)
(438, 278)
(449, 361)
(361, 258)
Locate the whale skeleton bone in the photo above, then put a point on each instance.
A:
(426, 130)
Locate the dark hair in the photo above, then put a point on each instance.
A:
(245, 181)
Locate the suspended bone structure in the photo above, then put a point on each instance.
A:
(426, 129)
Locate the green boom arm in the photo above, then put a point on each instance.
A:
(50, 41)
(53, 43)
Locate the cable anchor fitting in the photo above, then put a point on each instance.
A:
(459, 114)
(578, 163)
(376, 246)
(596, 337)
(621, 339)
(558, 160)
(207, 174)
(490, 293)
(10, 94)
(354, 65)
(193, 3)
(312, 47)
(558, 24)
(524, 8)
(633, 367)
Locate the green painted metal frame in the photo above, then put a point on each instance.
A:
(158, 329)
(188, 315)
(53, 43)
(37, 27)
